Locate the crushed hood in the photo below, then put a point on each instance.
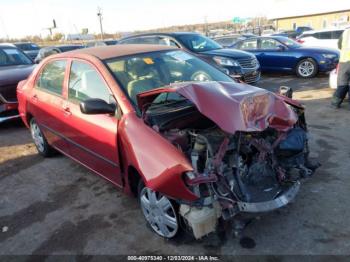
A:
(232, 106)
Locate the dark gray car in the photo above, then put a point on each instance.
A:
(30, 49)
(238, 64)
(15, 66)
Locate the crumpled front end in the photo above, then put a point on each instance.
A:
(248, 149)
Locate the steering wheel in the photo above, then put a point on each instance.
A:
(200, 76)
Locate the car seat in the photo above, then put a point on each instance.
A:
(145, 78)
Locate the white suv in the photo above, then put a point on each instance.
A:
(322, 38)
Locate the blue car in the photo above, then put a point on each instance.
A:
(278, 53)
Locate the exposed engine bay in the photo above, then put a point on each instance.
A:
(243, 172)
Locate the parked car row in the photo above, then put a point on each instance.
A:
(194, 146)
(243, 60)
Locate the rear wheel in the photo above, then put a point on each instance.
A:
(39, 139)
(306, 68)
(159, 212)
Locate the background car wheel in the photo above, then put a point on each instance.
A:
(307, 68)
(159, 212)
(40, 142)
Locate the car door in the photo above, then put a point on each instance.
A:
(92, 138)
(274, 55)
(250, 45)
(47, 101)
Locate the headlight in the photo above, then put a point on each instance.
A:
(329, 56)
(224, 61)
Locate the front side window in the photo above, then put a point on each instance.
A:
(85, 82)
(270, 44)
(144, 72)
(12, 56)
(52, 76)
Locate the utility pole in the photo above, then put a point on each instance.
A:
(99, 14)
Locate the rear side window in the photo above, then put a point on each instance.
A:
(337, 34)
(52, 76)
(85, 82)
(130, 41)
(249, 44)
(225, 41)
(324, 35)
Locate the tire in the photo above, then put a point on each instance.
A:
(39, 139)
(306, 68)
(160, 213)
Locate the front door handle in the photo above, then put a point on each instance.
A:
(35, 97)
(66, 110)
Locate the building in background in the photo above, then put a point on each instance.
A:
(316, 20)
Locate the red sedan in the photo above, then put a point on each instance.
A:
(189, 142)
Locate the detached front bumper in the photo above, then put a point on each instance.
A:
(276, 203)
(8, 110)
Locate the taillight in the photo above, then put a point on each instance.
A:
(300, 41)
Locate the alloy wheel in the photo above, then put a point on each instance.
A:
(306, 68)
(159, 213)
(37, 136)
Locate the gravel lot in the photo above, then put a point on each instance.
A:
(55, 206)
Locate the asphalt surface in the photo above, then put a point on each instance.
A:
(55, 206)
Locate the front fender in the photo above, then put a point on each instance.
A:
(160, 164)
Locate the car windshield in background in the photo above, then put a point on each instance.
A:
(198, 43)
(28, 47)
(12, 56)
(145, 72)
(290, 43)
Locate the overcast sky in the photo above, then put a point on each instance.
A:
(19, 18)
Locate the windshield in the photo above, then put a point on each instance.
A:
(12, 56)
(290, 43)
(198, 43)
(144, 72)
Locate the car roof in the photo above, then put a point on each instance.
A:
(158, 33)
(21, 43)
(227, 36)
(106, 52)
(277, 37)
(7, 45)
(324, 30)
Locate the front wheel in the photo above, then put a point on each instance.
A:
(306, 68)
(159, 212)
(39, 139)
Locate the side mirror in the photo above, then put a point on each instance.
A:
(281, 48)
(96, 106)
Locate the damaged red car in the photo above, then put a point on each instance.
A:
(195, 147)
